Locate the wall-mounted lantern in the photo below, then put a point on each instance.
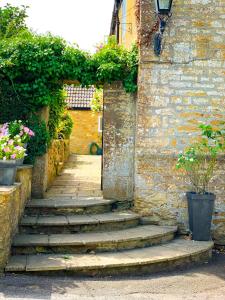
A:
(163, 10)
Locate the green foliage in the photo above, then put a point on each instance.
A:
(65, 126)
(40, 142)
(97, 101)
(115, 63)
(33, 68)
(200, 159)
(12, 20)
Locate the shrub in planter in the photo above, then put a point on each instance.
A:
(10, 152)
(199, 162)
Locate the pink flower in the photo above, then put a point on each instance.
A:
(10, 142)
(31, 133)
(26, 129)
(19, 148)
(6, 149)
(13, 156)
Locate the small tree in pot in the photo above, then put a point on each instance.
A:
(199, 162)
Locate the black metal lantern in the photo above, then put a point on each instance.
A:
(163, 10)
(163, 7)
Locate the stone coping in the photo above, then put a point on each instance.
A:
(25, 167)
(5, 189)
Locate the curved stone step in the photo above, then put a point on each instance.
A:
(79, 223)
(178, 253)
(72, 192)
(68, 205)
(138, 237)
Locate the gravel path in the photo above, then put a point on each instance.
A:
(202, 282)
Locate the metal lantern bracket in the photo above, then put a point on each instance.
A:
(158, 36)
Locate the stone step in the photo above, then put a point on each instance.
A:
(71, 189)
(138, 237)
(69, 206)
(75, 183)
(73, 192)
(176, 254)
(75, 223)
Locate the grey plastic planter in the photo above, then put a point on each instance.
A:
(200, 210)
(7, 172)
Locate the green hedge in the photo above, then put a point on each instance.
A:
(33, 69)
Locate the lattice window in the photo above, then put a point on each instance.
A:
(79, 97)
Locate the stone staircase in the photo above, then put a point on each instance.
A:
(74, 230)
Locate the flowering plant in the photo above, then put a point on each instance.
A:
(9, 149)
(16, 128)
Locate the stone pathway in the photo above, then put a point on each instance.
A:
(75, 231)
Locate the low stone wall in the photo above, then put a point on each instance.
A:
(12, 203)
(47, 167)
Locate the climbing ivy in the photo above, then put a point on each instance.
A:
(32, 71)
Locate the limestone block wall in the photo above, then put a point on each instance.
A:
(12, 203)
(85, 131)
(177, 91)
(118, 142)
(47, 167)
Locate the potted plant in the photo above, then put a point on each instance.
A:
(199, 162)
(10, 151)
(19, 133)
(17, 129)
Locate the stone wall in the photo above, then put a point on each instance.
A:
(47, 167)
(177, 91)
(85, 131)
(118, 142)
(12, 203)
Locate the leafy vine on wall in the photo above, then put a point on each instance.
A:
(33, 68)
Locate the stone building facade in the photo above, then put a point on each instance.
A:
(177, 91)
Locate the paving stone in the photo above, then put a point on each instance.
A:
(82, 219)
(54, 220)
(68, 202)
(116, 216)
(29, 220)
(30, 239)
(17, 263)
(46, 262)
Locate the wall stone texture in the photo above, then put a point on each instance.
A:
(182, 88)
(48, 166)
(12, 203)
(85, 131)
(118, 141)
